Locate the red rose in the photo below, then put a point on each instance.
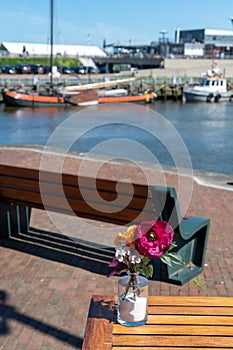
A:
(153, 238)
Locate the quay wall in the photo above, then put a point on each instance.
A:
(190, 68)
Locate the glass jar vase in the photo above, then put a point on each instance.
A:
(132, 300)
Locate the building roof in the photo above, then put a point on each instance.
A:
(44, 49)
(219, 32)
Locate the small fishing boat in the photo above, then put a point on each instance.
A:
(211, 88)
(147, 97)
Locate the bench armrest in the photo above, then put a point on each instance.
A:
(189, 227)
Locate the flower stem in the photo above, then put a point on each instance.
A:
(132, 283)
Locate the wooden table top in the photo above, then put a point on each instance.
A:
(173, 323)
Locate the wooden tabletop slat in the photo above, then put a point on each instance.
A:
(167, 348)
(190, 320)
(190, 301)
(98, 335)
(175, 329)
(171, 340)
(190, 310)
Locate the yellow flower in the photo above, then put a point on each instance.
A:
(128, 236)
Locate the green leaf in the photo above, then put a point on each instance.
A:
(145, 260)
(146, 271)
(166, 259)
(172, 245)
(176, 258)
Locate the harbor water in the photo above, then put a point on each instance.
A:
(165, 133)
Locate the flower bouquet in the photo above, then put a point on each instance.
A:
(134, 249)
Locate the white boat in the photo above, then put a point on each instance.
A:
(209, 89)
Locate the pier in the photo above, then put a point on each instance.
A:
(167, 82)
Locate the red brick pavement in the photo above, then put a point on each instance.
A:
(47, 279)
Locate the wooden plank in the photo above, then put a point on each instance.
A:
(175, 329)
(89, 194)
(191, 310)
(167, 348)
(60, 204)
(72, 179)
(125, 205)
(102, 211)
(98, 332)
(191, 301)
(173, 339)
(190, 320)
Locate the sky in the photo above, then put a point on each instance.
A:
(89, 22)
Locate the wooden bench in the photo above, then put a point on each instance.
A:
(187, 322)
(23, 187)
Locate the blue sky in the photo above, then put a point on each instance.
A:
(83, 22)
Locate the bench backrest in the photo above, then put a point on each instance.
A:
(98, 199)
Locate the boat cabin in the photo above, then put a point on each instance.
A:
(213, 84)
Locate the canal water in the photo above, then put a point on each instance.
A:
(196, 135)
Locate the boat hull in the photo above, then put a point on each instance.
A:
(207, 97)
(147, 98)
(16, 99)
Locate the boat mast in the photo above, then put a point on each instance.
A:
(51, 46)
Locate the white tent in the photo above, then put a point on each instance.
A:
(44, 50)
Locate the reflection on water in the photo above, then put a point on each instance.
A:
(135, 131)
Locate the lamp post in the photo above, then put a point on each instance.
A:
(231, 19)
(163, 32)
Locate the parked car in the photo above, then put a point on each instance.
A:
(46, 69)
(23, 69)
(92, 70)
(7, 69)
(37, 68)
(65, 70)
(85, 70)
(79, 70)
(103, 69)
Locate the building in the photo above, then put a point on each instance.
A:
(215, 42)
(30, 49)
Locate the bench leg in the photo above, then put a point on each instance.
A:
(14, 219)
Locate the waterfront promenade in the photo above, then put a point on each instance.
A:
(47, 278)
(191, 68)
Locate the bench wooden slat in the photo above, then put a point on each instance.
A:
(90, 194)
(71, 179)
(80, 207)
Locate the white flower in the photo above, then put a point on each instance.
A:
(121, 252)
(134, 256)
